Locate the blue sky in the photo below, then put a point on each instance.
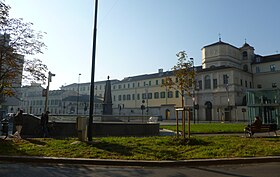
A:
(141, 36)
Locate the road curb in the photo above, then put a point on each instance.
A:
(111, 162)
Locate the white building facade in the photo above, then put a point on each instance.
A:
(222, 79)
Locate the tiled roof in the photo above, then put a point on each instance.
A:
(147, 76)
(83, 98)
(271, 58)
(88, 83)
(266, 59)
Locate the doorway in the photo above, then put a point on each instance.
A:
(167, 114)
(208, 111)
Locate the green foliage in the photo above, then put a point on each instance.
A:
(184, 75)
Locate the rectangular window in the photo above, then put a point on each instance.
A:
(138, 96)
(150, 83)
(120, 98)
(124, 97)
(162, 81)
(128, 97)
(156, 82)
(128, 85)
(246, 84)
(133, 96)
(114, 97)
(123, 85)
(138, 84)
(225, 79)
(200, 85)
(156, 95)
(272, 67)
(150, 95)
(177, 94)
(170, 94)
(144, 84)
(162, 94)
(257, 69)
(133, 85)
(143, 96)
(250, 84)
(215, 83)
(259, 86)
(241, 82)
(207, 84)
(120, 86)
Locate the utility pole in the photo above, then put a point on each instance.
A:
(78, 94)
(50, 75)
(91, 104)
(147, 99)
(193, 94)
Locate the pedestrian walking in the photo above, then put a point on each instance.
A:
(18, 122)
(44, 123)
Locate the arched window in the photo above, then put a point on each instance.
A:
(245, 67)
(245, 55)
(207, 82)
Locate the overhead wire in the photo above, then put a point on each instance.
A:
(108, 12)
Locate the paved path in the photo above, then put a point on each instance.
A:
(62, 170)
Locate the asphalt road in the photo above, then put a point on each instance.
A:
(50, 170)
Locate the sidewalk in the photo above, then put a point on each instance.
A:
(113, 162)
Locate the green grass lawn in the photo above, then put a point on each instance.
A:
(146, 148)
(210, 128)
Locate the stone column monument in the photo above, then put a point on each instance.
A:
(107, 103)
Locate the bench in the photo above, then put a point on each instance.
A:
(265, 128)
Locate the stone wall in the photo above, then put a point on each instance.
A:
(125, 129)
(32, 128)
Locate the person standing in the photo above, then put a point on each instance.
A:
(44, 123)
(18, 122)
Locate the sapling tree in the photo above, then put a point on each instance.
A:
(183, 82)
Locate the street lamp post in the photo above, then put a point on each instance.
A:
(228, 107)
(193, 94)
(147, 95)
(50, 75)
(78, 94)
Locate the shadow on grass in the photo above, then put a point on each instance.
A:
(112, 147)
(268, 138)
(34, 141)
(190, 142)
(10, 148)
